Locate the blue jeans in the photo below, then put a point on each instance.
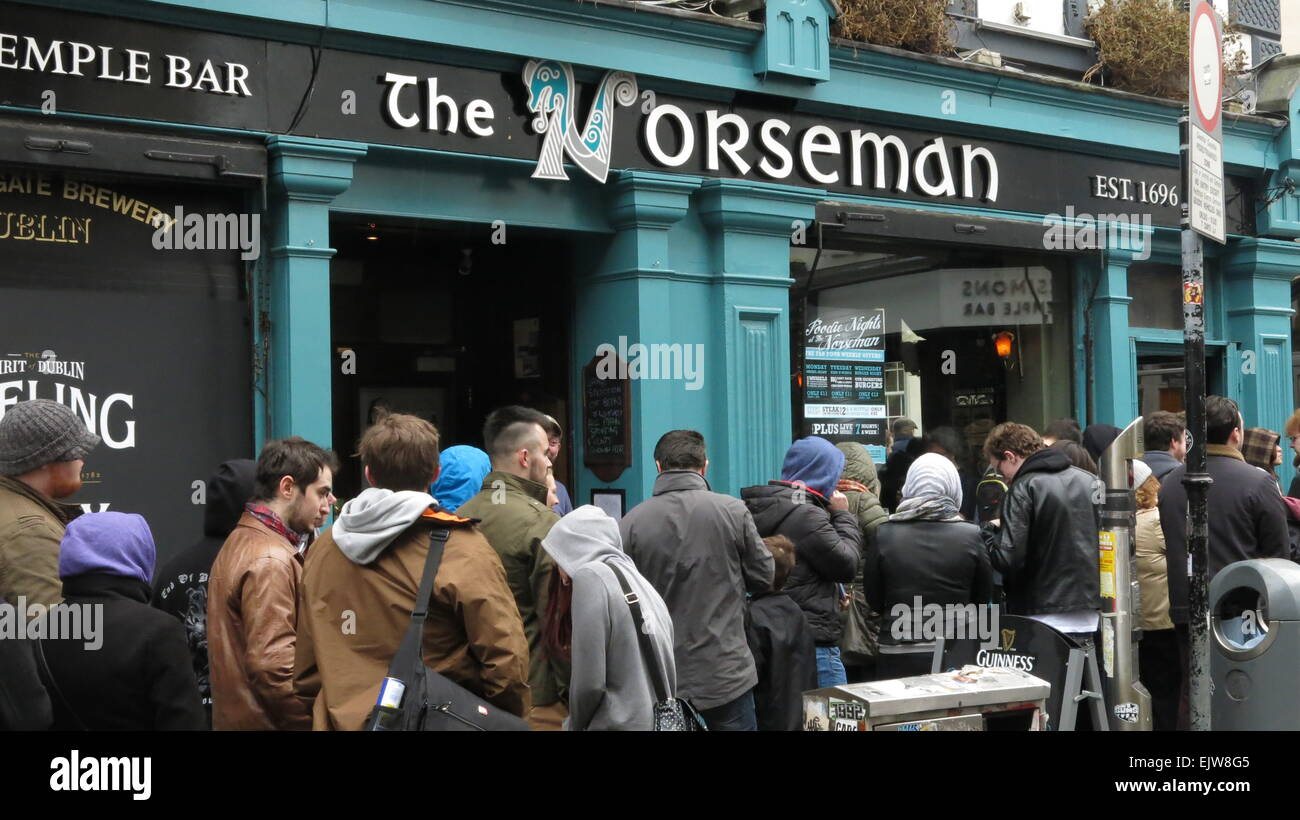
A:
(736, 716)
(830, 669)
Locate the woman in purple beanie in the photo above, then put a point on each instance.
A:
(113, 662)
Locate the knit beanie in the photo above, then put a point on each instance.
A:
(39, 432)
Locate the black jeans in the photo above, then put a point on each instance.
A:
(736, 716)
(1159, 669)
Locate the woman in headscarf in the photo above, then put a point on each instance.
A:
(927, 551)
(129, 669)
(612, 685)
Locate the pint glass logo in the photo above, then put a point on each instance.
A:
(1008, 640)
(552, 96)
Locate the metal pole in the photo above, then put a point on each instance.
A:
(1196, 480)
(1129, 701)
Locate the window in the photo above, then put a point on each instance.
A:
(966, 338)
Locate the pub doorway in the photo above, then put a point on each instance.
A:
(438, 320)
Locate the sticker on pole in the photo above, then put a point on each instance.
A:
(1106, 554)
(1205, 202)
(1127, 712)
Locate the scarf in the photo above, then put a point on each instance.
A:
(268, 517)
(932, 491)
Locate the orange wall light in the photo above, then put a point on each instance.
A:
(1002, 342)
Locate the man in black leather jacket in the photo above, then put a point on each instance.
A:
(1045, 544)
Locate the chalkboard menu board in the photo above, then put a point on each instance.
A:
(606, 422)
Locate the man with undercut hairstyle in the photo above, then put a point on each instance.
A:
(513, 516)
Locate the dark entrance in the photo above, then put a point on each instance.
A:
(447, 325)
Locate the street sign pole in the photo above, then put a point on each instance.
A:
(1201, 154)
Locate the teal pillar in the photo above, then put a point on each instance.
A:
(1257, 300)
(1113, 378)
(293, 327)
(630, 294)
(750, 344)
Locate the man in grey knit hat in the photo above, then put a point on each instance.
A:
(42, 444)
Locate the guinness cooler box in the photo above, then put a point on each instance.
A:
(968, 699)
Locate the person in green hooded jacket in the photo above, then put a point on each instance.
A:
(861, 485)
(513, 516)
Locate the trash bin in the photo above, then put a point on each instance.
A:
(1255, 645)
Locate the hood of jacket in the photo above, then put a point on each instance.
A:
(369, 523)
(1098, 437)
(1047, 460)
(461, 472)
(585, 535)
(771, 503)
(672, 481)
(858, 465)
(229, 489)
(815, 463)
(108, 543)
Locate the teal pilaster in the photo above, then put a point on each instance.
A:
(305, 176)
(1257, 300)
(752, 225)
(627, 295)
(1113, 377)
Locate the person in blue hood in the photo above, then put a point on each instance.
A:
(805, 506)
(463, 471)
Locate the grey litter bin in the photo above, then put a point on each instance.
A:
(1255, 645)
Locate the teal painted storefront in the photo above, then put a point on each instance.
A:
(676, 258)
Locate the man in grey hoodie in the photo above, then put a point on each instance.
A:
(360, 580)
(610, 686)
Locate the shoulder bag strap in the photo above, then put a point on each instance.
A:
(48, 678)
(647, 649)
(408, 655)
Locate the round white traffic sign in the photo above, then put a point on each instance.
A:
(1206, 67)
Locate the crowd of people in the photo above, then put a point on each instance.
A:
(571, 619)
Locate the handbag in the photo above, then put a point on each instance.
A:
(670, 714)
(415, 698)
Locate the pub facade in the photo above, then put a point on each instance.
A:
(223, 222)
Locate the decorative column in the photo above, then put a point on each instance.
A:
(1257, 276)
(629, 294)
(1113, 379)
(294, 389)
(749, 351)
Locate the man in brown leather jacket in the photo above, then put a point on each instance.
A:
(253, 590)
(360, 581)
